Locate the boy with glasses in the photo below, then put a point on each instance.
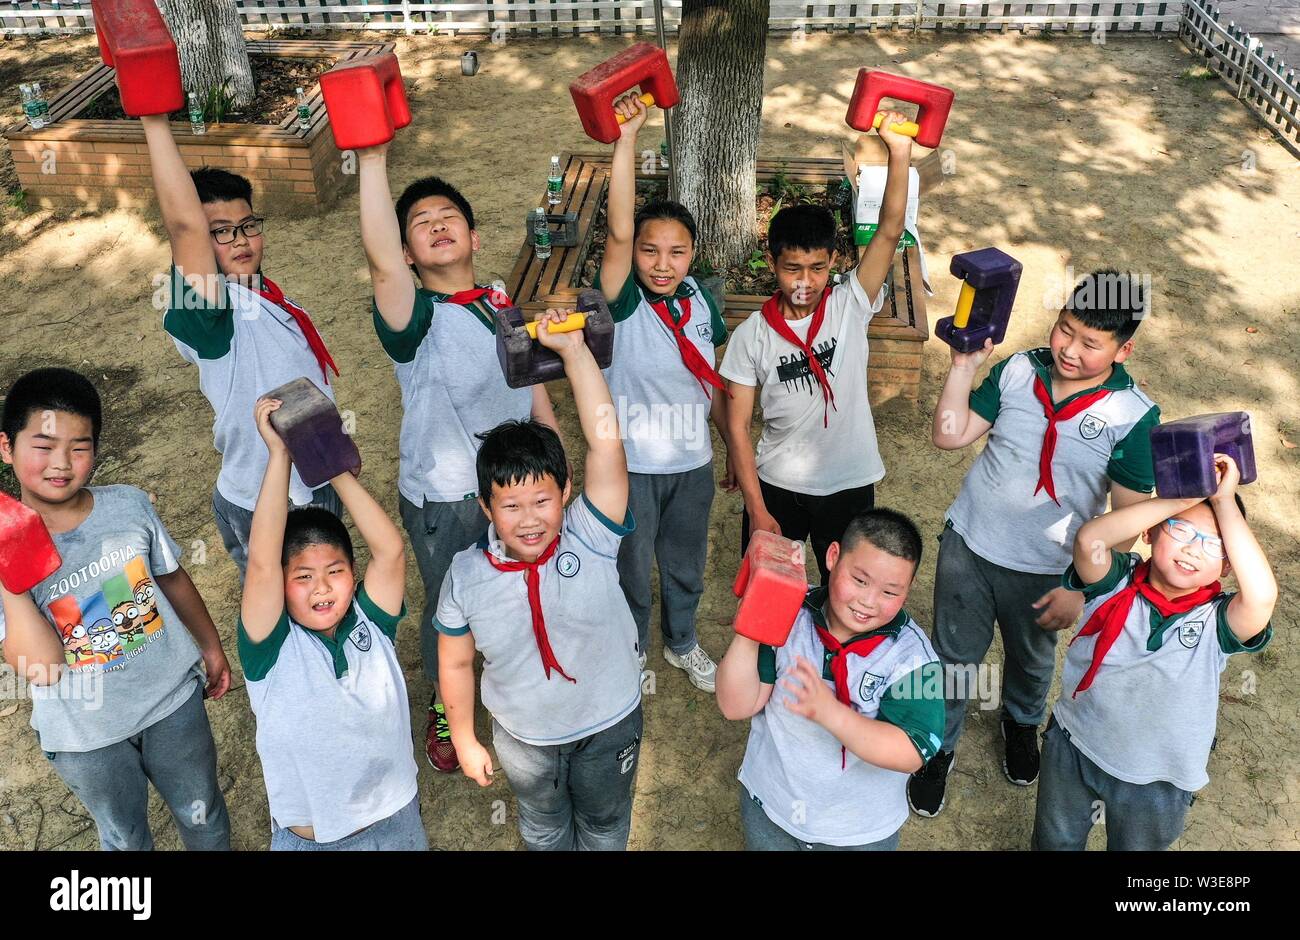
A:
(234, 323)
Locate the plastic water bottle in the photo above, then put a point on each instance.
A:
(663, 154)
(30, 108)
(304, 111)
(554, 183)
(42, 105)
(197, 127)
(541, 235)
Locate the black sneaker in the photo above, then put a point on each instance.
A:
(1021, 761)
(927, 788)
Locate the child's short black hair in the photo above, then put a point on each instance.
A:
(805, 227)
(1109, 300)
(51, 390)
(888, 530)
(665, 209)
(517, 451)
(217, 185)
(314, 525)
(423, 189)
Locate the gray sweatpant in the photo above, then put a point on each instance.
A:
(177, 754)
(235, 523)
(971, 593)
(672, 527)
(437, 532)
(1074, 794)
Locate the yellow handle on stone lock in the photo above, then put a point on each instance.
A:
(647, 99)
(574, 321)
(907, 128)
(964, 302)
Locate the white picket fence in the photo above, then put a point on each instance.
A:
(1261, 79)
(568, 17)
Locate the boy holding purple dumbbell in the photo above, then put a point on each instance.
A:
(1067, 426)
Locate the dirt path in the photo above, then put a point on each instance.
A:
(1067, 155)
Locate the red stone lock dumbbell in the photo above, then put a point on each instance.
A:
(366, 101)
(594, 92)
(27, 553)
(934, 103)
(133, 39)
(771, 585)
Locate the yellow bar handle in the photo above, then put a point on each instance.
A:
(964, 302)
(648, 100)
(907, 128)
(574, 321)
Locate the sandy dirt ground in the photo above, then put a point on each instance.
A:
(1066, 154)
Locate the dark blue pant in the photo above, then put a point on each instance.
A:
(763, 835)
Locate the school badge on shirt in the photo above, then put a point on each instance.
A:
(870, 686)
(361, 637)
(1189, 633)
(1091, 427)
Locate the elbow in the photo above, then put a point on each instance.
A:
(44, 673)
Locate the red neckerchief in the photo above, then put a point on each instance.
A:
(1053, 415)
(772, 314)
(271, 291)
(840, 652)
(1109, 618)
(534, 579)
(697, 364)
(499, 298)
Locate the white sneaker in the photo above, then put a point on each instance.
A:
(699, 668)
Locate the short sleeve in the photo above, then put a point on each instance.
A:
(766, 664)
(1130, 462)
(1228, 641)
(628, 299)
(850, 292)
(1120, 566)
(914, 704)
(738, 363)
(986, 399)
(190, 319)
(451, 618)
(382, 618)
(164, 554)
(402, 345)
(594, 529)
(257, 659)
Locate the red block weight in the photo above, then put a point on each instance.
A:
(934, 103)
(366, 101)
(771, 585)
(644, 65)
(27, 553)
(133, 40)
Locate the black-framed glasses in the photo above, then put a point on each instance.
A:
(228, 233)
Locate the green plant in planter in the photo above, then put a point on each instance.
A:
(218, 102)
(756, 262)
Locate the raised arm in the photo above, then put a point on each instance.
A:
(182, 212)
(32, 645)
(620, 203)
(381, 237)
(955, 424)
(386, 575)
(879, 255)
(1097, 537)
(740, 692)
(263, 600)
(605, 481)
(1252, 609)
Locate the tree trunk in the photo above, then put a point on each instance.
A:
(210, 40)
(721, 50)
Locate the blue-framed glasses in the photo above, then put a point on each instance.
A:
(1187, 534)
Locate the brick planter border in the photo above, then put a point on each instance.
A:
(104, 164)
(896, 333)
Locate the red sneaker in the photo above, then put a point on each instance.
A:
(437, 741)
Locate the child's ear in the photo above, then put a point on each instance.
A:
(6, 449)
(474, 242)
(484, 506)
(568, 490)
(1146, 535)
(832, 555)
(771, 262)
(1125, 350)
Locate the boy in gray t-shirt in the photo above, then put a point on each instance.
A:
(539, 597)
(108, 641)
(1133, 728)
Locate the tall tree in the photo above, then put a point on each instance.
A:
(210, 41)
(721, 50)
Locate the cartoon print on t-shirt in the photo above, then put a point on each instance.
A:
(794, 373)
(105, 629)
(127, 616)
(143, 586)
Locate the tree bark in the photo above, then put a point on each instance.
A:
(721, 51)
(210, 41)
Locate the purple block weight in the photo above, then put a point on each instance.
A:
(525, 361)
(313, 431)
(995, 276)
(1183, 452)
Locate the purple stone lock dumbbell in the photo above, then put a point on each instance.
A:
(984, 308)
(1183, 452)
(525, 361)
(312, 429)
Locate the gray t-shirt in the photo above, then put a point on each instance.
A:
(588, 623)
(1152, 707)
(131, 660)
